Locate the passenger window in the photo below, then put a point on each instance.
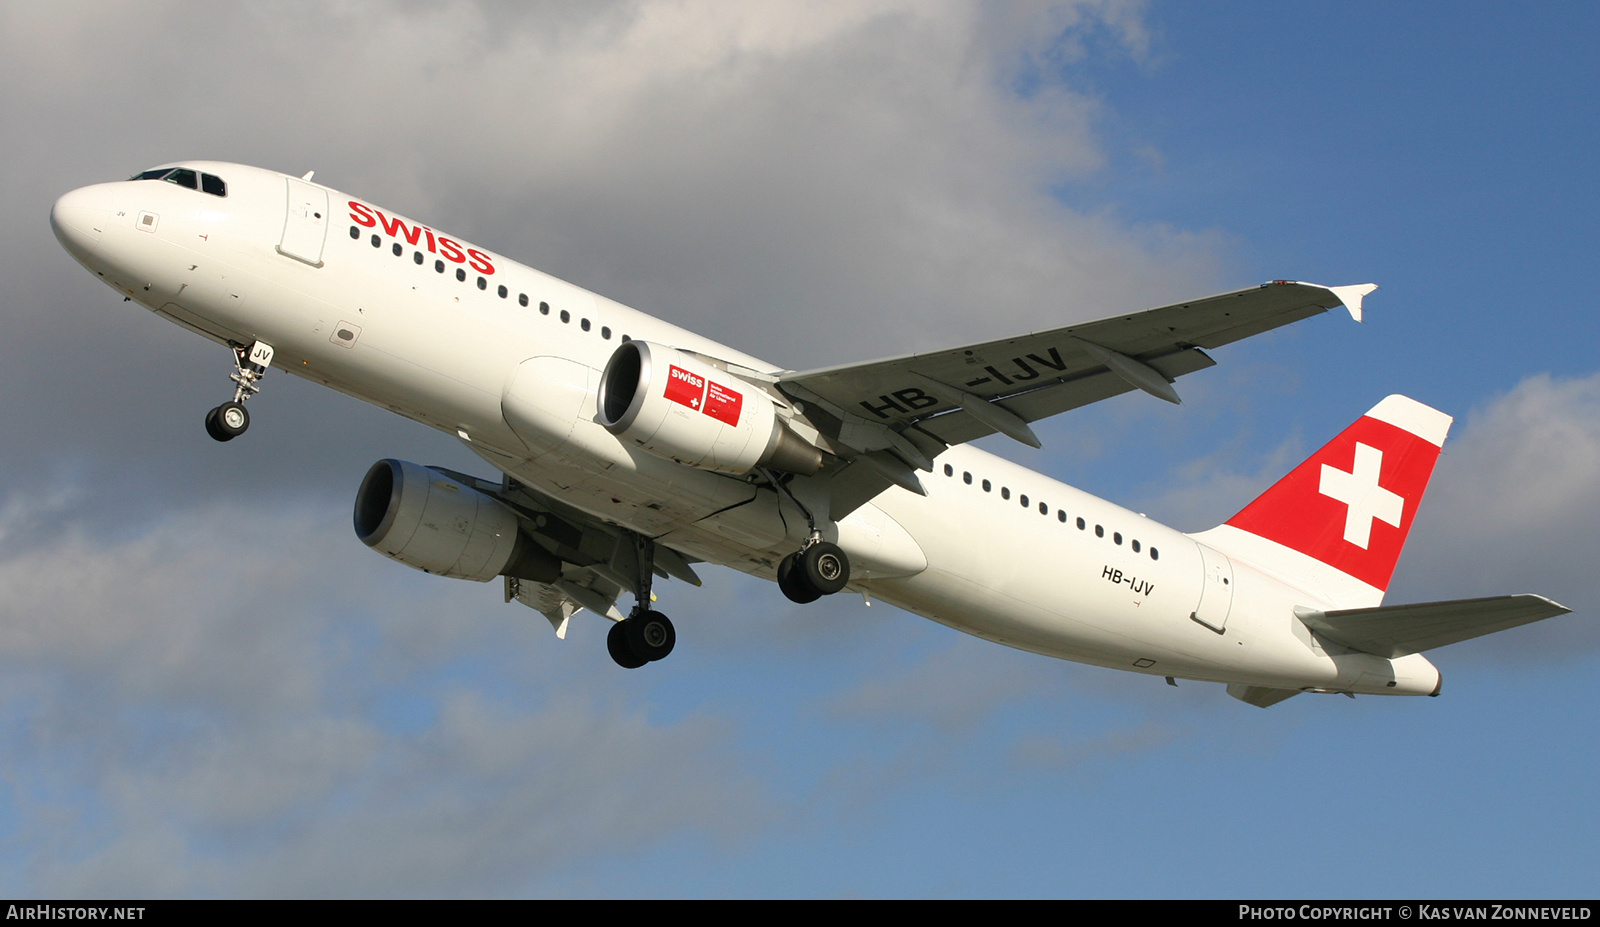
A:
(355, 232)
(1155, 554)
(1061, 516)
(605, 332)
(1005, 492)
(1045, 510)
(503, 291)
(522, 299)
(213, 185)
(566, 316)
(1082, 524)
(398, 250)
(417, 257)
(483, 284)
(966, 477)
(1116, 538)
(544, 308)
(1136, 546)
(949, 470)
(1023, 500)
(1099, 532)
(985, 485)
(377, 242)
(584, 324)
(461, 275)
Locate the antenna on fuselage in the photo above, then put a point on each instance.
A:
(308, 175)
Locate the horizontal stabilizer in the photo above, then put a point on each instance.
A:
(1397, 630)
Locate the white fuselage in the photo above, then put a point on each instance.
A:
(448, 349)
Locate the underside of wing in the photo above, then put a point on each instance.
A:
(1397, 630)
(598, 564)
(577, 589)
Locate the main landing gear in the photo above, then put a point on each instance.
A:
(229, 420)
(819, 567)
(645, 635)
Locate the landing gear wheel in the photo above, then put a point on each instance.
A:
(250, 363)
(793, 584)
(824, 566)
(213, 429)
(649, 635)
(227, 421)
(617, 644)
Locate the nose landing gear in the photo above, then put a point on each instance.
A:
(229, 420)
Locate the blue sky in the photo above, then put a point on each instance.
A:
(207, 687)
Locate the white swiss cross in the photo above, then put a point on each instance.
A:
(1359, 490)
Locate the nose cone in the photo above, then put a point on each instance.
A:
(79, 218)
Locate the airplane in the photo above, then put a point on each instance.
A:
(630, 449)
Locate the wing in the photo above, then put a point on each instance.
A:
(1396, 630)
(597, 563)
(577, 589)
(912, 407)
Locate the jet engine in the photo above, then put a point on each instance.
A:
(677, 406)
(430, 521)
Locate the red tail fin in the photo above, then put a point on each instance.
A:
(1350, 505)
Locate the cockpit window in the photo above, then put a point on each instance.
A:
(186, 177)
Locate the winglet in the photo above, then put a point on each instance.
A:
(1352, 295)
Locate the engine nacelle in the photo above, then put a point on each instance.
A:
(677, 406)
(435, 523)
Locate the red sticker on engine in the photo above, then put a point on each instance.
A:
(723, 404)
(685, 388)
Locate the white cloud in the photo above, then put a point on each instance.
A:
(1514, 506)
(191, 715)
(808, 180)
(811, 182)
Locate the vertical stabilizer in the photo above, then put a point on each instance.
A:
(1336, 524)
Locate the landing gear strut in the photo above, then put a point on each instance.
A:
(645, 635)
(229, 420)
(818, 568)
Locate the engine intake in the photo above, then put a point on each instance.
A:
(676, 406)
(436, 524)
